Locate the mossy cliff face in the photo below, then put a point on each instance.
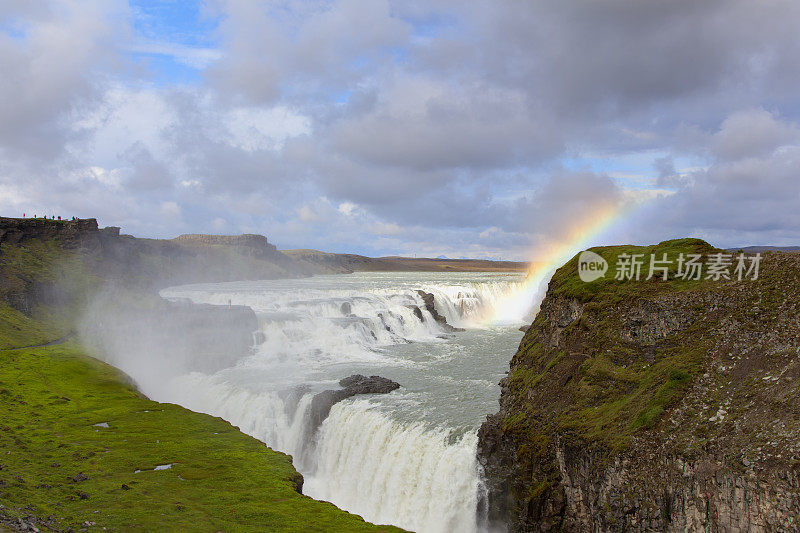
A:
(653, 405)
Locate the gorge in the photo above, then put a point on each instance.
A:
(640, 405)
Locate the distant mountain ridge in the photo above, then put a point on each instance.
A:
(345, 263)
(755, 249)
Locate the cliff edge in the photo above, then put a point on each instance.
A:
(653, 405)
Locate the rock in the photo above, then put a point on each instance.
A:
(524, 329)
(383, 321)
(417, 312)
(346, 308)
(71, 234)
(248, 244)
(77, 478)
(125, 487)
(356, 384)
(83, 496)
(428, 299)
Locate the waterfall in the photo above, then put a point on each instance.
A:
(418, 478)
(381, 457)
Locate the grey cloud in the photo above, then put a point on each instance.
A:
(751, 190)
(47, 70)
(148, 173)
(429, 129)
(425, 124)
(285, 49)
(667, 176)
(752, 133)
(620, 55)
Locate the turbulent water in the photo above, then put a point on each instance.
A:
(405, 458)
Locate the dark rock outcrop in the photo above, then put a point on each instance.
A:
(429, 300)
(652, 406)
(356, 384)
(72, 234)
(417, 312)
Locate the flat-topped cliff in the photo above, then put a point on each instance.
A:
(71, 233)
(247, 239)
(653, 405)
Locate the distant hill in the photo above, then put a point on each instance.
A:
(755, 249)
(344, 263)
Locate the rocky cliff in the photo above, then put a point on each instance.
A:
(71, 233)
(653, 405)
(37, 254)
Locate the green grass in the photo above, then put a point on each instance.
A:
(608, 290)
(221, 479)
(17, 329)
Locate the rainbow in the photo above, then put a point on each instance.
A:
(521, 302)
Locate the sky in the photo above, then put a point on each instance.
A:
(445, 127)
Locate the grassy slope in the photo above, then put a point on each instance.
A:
(50, 399)
(44, 263)
(221, 478)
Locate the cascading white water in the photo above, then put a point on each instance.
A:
(415, 477)
(406, 458)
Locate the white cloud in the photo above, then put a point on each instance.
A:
(347, 208)
(170, 210)
(195, 57)
(255, 128)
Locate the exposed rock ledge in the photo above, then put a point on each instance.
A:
(428, 299)
(356, 384)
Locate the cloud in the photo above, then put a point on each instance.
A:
(274, 49)
(409, 127)
(195, 57)
(427, 124)
(752, 133)
(747, 195)
(47, 56)
(170, 210)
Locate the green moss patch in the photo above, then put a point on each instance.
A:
(608, 290)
